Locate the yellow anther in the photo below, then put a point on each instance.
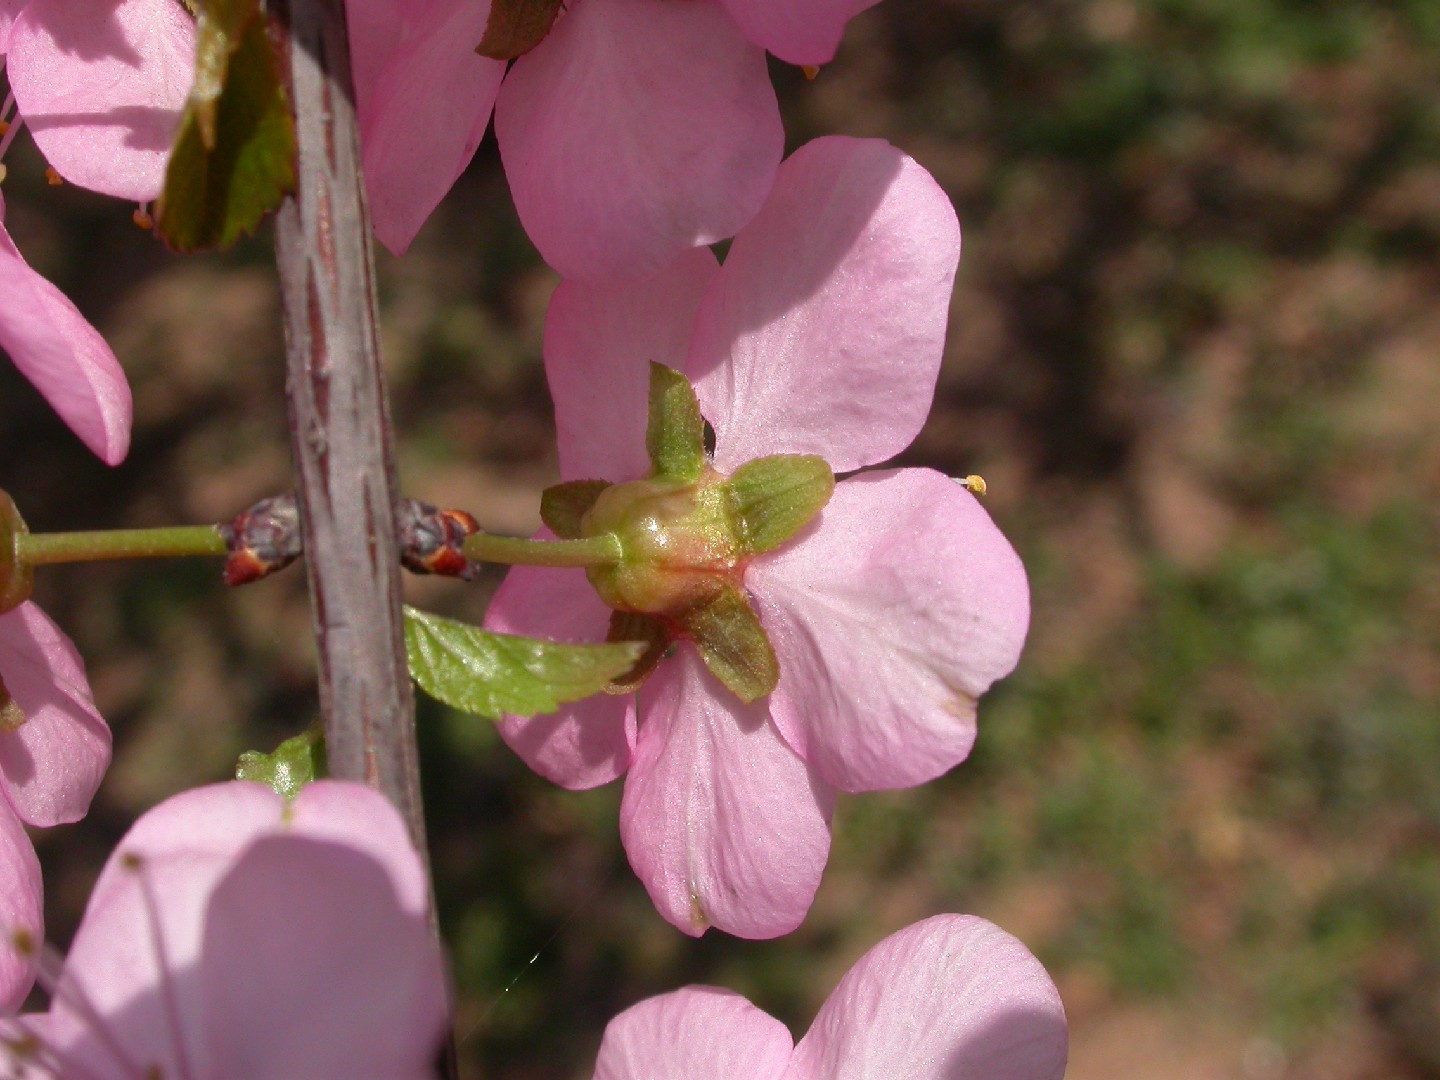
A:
(142, 218)
(52, 177)
(25, 1045)
(4, 127)
(3, 172)
(23, 940)
(810, 70)
(974, 484)
(131, 861)
(12, 717)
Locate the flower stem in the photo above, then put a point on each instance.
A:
(45, 549)
(594, 551)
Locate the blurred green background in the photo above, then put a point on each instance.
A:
(1195, 349)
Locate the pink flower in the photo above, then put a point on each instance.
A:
(54, 749)
(951, 997)
(889, 615)
(101, 84)
(635, 130)
(63, 355)
(232, 934)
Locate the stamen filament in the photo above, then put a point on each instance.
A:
(167, 983)
(47, 1058)
(10, 133)
(48, 974)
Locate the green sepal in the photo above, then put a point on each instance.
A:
(517, 26)
(294, 763)
(632, 626)
(775, 497)
(492, 675)
(562, 506)
(17, 580)
(675, 436)
(732, 643)
(234, 157)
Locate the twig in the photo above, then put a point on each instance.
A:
(339, 421)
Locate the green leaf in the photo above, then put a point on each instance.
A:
(16, 578)
(562, 506)
(219, 28)
(517, 26)
(492, 675)
(775, 497)
(733, 644)
(234, 158)
(295, 763)
(675, 436)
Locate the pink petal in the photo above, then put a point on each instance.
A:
(890, 617)
(584, 744)
(361, 819)
(698, 1033)
(824, 331)
(221, 820)
(797, 31)
(139, 953)
(424, 103)
(21, 908)
(134, 963)
(311, 967)
(8, 10)
(63, 355)
(948, 998)
(722, 822)
(599, 342)
(637, 129)
(101, 85)
(215, 822)
(53, 763)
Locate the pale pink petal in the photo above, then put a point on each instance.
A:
(698, 1033)
(824, 331)
(135, 963)
(586, 743)
(213, 823)
(141, 948)
(221, 820)
(797, 31)
(311, 967)
(52, 764)
(63, 355)
(722, 822)
(21, 908)
(950, 998)
(599, 342)
(361, 819)
(424, 100)
(637, 129)
(8, 10)
(890, 616)
(101, 85)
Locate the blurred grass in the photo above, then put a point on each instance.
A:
(1194, 351)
